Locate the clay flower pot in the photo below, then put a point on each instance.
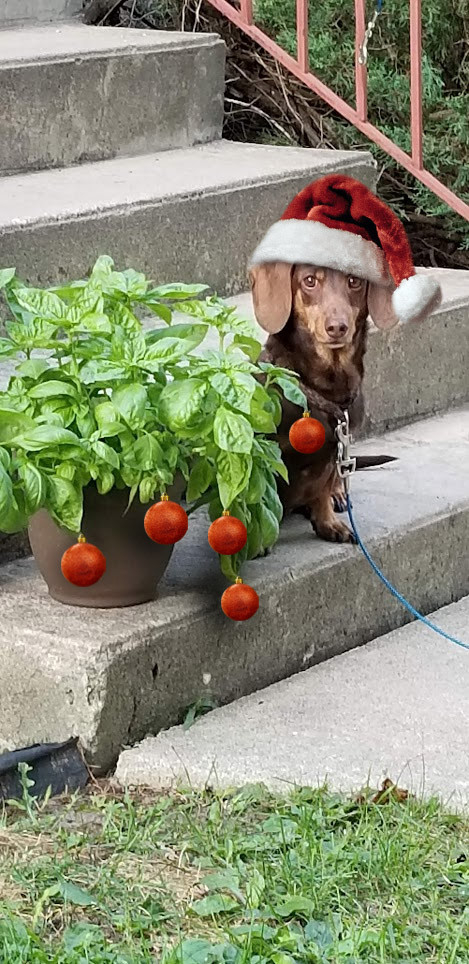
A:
(134, 564)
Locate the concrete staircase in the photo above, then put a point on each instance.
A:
(110, 142)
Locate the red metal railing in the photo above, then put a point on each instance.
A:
(242, 17)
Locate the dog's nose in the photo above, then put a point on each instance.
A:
(337, 328)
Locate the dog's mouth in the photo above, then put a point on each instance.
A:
(339, 342)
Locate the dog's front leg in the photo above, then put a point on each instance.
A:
(321, 513)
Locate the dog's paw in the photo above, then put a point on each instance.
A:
(334, 531)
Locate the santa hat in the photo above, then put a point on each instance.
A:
(336, 222)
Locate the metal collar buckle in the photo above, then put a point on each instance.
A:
(345, 463)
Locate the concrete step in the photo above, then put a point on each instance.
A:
(351, 722)
(71, 94)
(21, 11)
(114, 676)
(192, 215)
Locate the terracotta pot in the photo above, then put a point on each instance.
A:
(134, 564)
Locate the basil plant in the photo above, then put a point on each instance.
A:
(100, 396)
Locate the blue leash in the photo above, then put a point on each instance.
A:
(395, 593)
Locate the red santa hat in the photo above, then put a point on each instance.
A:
(337, 222)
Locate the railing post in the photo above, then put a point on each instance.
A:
(246, 11)
(360, 69)
(416, 81)
(302, 34)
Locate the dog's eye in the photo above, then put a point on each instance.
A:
(354, 282)
(310, 281)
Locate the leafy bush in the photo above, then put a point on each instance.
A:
(97, 398)
(445, 70)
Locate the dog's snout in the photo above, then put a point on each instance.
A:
(337, 327)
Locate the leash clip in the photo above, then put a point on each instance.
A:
(345, 463)
(363, 53)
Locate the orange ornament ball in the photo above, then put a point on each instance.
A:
(240, 602)
(83, 564)
(227, 535)
(166, 522)
(307, 435)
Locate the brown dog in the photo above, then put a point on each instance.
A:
(337, 254)
(324, 341)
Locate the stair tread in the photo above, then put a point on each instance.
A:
(433, 463)
(117, 184)
(354, 720)
(67, 41)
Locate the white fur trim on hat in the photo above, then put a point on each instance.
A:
(310, 242)
(416, 297)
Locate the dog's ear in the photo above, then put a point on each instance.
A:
(271, 294)
(380, 306)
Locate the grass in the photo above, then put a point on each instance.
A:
(238, 877)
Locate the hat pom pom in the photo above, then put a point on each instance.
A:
(416, 297)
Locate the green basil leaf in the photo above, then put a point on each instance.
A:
(5, 459)
(250, 346)
(50, 388)
(44, 436)
(233, 471)
(201, 477)
(147, 490)
(105, 482)
(41, 304)
(269, 526)
(86, 424)
(272, 500)
(32, 367)
(232, 432)
(262, 420)
(175, 292)
(130, 401)
(104, 412)
(161, 311)
(110, 429)
(236, 389)
(34, 487)
(12, 424)
(37, 333)
(105, 454)
(7, 501)
(6, 275)
(102, 267)
(292, 391)
(180, 401)
(146, 454)
(7, 348)
(66, 470)
(254, 543)
(95, 323)
(102, 372)
(256, 486)
(65, 502)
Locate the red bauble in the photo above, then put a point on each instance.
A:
(227, 535)
(240, 602)
(166, 522)
(83, 564)
(307, 435)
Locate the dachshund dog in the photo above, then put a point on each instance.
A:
(337, 255)
(320, 321)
